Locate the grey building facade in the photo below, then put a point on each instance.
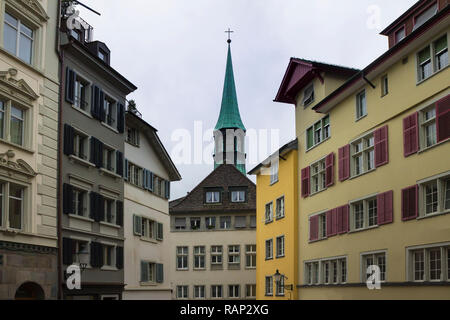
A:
(92, 166)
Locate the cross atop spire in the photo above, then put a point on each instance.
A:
(229, 31)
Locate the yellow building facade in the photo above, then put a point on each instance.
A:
(276, 236)
(374, 167)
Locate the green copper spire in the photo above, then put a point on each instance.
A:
(229, 112)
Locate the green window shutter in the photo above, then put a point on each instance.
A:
(150, 187)
(159, 234)
(144, 271)
(441, 44)
(310, 138)
(137, 223)
(167, 187)
(159, 273)
(424, 55)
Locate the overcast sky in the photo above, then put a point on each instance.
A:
(175, 52)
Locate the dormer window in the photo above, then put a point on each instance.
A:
(18, 38)
(213, 197)
(103, 55)
(238, 196)
(308, 95)
(423, 17)
(400, 35)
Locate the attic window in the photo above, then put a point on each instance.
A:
(400, 35)
(308, 95)
(425, 15)
(103, 55)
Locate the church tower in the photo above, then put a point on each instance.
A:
(229, 133)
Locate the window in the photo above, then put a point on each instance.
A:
(234, 256)
(148, 272)
(430, 263)
(434, 196)
(180, 223)
(370, 259)
(16, 204)
(103, 55)
(361, 105)
(225, 222)
(425, 16)
(253, 221)
(269, 249)
(440, 53)
(199, 292)
(109, 158)
(363, 155)
(269, 212)
(326, 271)
(240, 222)
(12, 123)
(269, 286)
(238, 196)
(280, 208)
(400, 35)
(17, 125)
(132, 136)
(182, 258)
(134, 174)
(109, 108)
(318, 176)
(233, 291)
(280, 247)
(210, 222)
(109, 256)
(18, 38)
(80, 145)
(216, 255)
(250, 290)
(79, 247)
(81, 100)
(148, 228)
(216, 291)
(317, 133)
(363, 214)
(195, 223)
(79, 202)
(182, 292)
(308, 95)
(322, 226)
(427, 118)
(250, 256)
(274, 172)
(279, 287)
(424, 60)
(110, 215)
(199, 257)
(384, 85)
(213, 197)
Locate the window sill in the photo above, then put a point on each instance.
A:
(75, 216)
(182, 269)
(87, 114)
(313, 241)
(268, 221)
(148, 240)
(110, 173)
(109, 224)
(109, 127)
(18, 146)
(280, 257)
(274, 182)
(431, 147)
(318, 144)
(360, 118)
(268, 259)
(132, 144)
(148, 283)
(363, 229)
(109, 268)
(432, 75)
(81, 161)
(279, 217)
(317, 192)
(431, 215)
(199, 269)
(22, 62)
(361, 174)
(250, 268)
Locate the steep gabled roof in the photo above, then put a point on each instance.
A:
(224, 177)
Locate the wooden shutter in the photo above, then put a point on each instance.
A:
(314, 228)
(342, 219)
(68, 139)
(101, 109)
(93, 150)
(381, 146)
(95, 96)
(100, 207)
(160, 232)
(125, 174)
(144, 179)
(67, 199)
(120, 118)
(119, 257)
(443, 119)
(305, 182)
(411, 134)
(144, 271)
(409, 203)
(99, 163)
(119, 213)
(70, 85)
(150, 174)
(67, 251)
(344, 162)
(332, 223)
(137, 225)
(385, 207)
(95, 255)
(159, 273)
(119, 163)
(167, 189)
(329, 167)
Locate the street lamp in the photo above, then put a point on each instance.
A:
(278, 277)
(83, 259)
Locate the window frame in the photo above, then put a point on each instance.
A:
(279, 201)
(432, 59)
(364, 153)
(366, 214)
(199, 253)
(374, 255)
(184, 256)
(27, 122)
(320, 174)
(5, 218)
(425, 249)
(268, 250)
(325, 127)
(184, 291)
(250, 256)
(215, 254)
(280, 251)
(441, 181)
(320, 271)
(269, 214)
(361, 109)
(236, 255)
(34, 37)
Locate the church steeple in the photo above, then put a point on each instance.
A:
(229, 133)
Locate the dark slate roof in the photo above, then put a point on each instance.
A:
(225, 176)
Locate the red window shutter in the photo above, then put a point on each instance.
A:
(305, 182)
(330, 223)
(385, 207)
(329, 173)
(443, 119)
(314, 228)
(410, 134)
(345, 218)
(381, 146)
(335, 222)
(342, 219)
(344, 162)
(409, 203)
